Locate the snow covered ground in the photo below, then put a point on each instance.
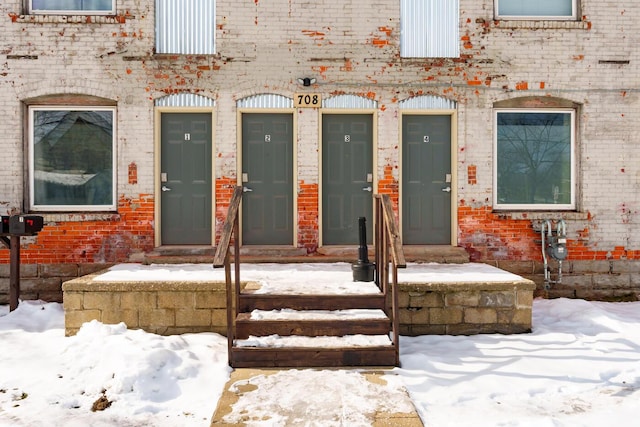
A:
(579, 367)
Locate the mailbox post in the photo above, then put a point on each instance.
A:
(13, 227)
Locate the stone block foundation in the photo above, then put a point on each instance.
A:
(164, 308)
(167, 308)
(465, 308)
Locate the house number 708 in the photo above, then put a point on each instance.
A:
(308, 99)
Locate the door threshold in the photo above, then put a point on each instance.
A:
(182, 250)
(271, 251)
(443, 254)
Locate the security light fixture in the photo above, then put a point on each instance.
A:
(306, 81)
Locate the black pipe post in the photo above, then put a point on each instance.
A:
(14, 272)
(363, 270)
(363, 252)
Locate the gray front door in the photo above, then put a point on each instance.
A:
(185, 175)
(267, 179)
(426, 179)
(347, 177)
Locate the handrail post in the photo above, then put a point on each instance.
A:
(388, 250)
(394, 309)
(227, 279)
(222, 258)
(377, 242)
(236, 262)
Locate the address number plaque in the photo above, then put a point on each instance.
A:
(307, 100)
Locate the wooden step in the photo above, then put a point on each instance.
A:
(251, 357)
(246, 327)
(311, 330)
(250, 302)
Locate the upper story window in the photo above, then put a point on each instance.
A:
(537, 9)
(429, 29)
(534, 159)
(72, 7)
(186, 26)
(72, 158)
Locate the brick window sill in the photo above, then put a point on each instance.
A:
(79, 217)
(540, 25)
(543, 215)
(70, 19)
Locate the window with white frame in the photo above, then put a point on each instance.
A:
(72, 158)
(429, 29)
(534, 159)
(537, 9)
(66, 7)
(186, 27)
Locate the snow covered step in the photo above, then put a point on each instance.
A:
(300, 357)
(288, 284)
(288, 314)
(248, 302)
(278, 351)
(286, 325)
(322, 342)
(312, 323)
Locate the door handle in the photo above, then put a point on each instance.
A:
(165, 188)
(447, 190)
(369, 189)
(246, 189)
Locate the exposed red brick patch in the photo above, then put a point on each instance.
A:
(378, 42)
(87, 240)
(224, 192)
(489, 235)
(472, 178)
(314, 34)
(388, 184)
(308, 212)
(348, 66)
(133, 173)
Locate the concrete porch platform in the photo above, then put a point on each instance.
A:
(459, 299)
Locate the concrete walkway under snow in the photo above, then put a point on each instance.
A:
(315, 397)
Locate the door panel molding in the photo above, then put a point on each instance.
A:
(294, 168)
(454, 166)
(158, 111)
(374, 166)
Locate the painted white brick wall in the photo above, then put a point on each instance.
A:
(350, 47)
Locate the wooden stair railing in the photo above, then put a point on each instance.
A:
(388, 257)
(222, 257)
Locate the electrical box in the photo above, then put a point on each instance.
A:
(4, 227)
(25, 225)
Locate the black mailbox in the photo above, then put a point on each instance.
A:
(25, 225)
(4, 228)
